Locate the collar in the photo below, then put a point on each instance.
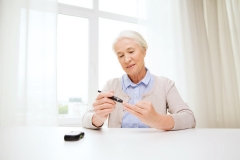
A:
(127, 81)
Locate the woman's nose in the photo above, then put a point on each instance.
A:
(127, 58)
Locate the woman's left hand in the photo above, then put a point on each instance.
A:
(145, 112)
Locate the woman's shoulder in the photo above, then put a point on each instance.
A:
(163, 80)
(114, 82)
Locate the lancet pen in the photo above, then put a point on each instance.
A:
(114, 98)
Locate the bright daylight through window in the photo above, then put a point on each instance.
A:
(72, 75)
(82, 34)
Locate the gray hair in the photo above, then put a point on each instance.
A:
(131, 35)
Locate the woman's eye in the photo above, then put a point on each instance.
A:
(120, 56)
(131, 51)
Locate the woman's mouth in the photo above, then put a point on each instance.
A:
(130, 66)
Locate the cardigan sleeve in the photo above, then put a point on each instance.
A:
(182, 115)
(87, 120)
(87, 117)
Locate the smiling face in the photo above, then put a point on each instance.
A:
(131, 57)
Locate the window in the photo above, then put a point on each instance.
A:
(122, 7)
(79, 3)
(72, 60)
(86, 30)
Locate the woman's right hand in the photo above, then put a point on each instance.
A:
(102, 107)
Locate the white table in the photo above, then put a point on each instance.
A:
(33, 143)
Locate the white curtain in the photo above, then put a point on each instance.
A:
(197, 44)
(28, 62)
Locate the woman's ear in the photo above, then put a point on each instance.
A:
(144, 52)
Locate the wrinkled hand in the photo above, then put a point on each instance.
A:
(144, 111)
(102, 107)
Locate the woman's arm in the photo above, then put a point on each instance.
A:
(180, 117)
(180, 112)
(100, 111)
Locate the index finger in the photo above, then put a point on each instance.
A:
(141, 104)
(133, 108)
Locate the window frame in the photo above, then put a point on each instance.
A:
(93, 15)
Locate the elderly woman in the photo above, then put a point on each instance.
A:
(146, 97)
